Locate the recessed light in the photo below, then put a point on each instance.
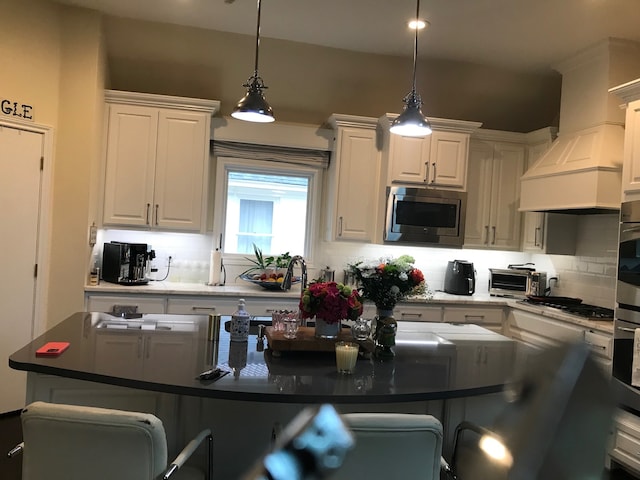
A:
(418, 24)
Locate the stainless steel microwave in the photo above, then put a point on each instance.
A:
(425, 216)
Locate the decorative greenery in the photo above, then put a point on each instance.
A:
(261, 263)
(386, 281)
(330, 301)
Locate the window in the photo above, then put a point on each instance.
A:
(268, 204)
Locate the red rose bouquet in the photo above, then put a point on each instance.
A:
(330, 301)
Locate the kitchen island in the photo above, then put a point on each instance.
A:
(151, 362)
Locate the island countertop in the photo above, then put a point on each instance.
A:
(165, 353)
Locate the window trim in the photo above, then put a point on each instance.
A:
(224, 164)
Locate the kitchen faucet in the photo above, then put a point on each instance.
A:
(286, 283)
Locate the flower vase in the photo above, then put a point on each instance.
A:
(385, 332)
(327, 330)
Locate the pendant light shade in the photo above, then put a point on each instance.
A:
(253, 107)
(412, 122)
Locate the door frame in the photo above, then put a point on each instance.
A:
(44, 222)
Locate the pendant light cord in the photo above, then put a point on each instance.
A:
(257, 39)
(415, 46)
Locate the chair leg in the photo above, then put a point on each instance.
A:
(210, 457)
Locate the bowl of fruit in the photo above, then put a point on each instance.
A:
(271, 280)
(268, 271)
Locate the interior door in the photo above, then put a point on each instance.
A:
(21, 152)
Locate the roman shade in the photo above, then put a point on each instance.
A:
(272, 153)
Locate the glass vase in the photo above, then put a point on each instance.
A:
(327, 330)
(361, 330)
(385, 332)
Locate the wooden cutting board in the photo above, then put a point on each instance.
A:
(307, 341)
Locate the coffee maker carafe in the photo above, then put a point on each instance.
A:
(126, 263)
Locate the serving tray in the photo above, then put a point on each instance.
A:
(306, 341)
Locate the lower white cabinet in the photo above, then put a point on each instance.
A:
(144, 303)
(541, 332)
(624, 446)
(418, 313)
(116, 351)
(491, 318)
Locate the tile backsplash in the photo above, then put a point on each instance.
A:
(590, 274)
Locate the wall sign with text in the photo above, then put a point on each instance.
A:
(16, 109)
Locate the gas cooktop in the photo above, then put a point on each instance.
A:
(582, 310)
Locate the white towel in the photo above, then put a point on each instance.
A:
(215, 267)
(635, 365)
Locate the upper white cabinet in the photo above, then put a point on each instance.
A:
(495, 167)
(353, 180)
(438, 160)
(157, 152)
(630, 93)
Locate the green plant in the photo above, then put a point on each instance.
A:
(260, 262)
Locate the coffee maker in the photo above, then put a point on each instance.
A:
(126, 263)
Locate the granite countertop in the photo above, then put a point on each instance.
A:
(438, 299)
(422, 369)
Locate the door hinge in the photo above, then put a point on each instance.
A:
(41, 163)
(35, 271)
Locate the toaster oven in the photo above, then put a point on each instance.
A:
(516, 283)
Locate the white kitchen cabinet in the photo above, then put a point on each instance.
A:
(417, 313)
(493, 220)
(138, 353)
(541, 332)
(156, 161)
(437, 160)
(630, 93)
(624, 446)
(143, 303)
(550, 233)
(256, 306)
(491, 318)
(353, 196)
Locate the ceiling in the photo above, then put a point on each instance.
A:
(525, 35)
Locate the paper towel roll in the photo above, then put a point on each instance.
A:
(215, 267)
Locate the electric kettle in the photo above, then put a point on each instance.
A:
(460, 278)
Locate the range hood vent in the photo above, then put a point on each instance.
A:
(581, 173)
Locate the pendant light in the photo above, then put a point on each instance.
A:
(253, 107)
(412, 122)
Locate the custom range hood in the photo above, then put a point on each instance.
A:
(582, 170)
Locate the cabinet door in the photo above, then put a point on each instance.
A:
(408, 159)
(533, 235)
(358, 166)
(158, 348)
(119, 351)
(449, 151)
(631, 164)
(505, 219)
(130, 165)
(180, 170)
(476, 232)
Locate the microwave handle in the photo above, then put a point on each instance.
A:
(630, 233)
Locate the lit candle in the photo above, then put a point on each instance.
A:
(346, 356)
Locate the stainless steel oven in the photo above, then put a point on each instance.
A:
(425, 216)
(627, 314)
